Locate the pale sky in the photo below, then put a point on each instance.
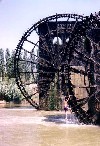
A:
(16, 16)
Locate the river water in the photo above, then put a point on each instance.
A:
(28, 127)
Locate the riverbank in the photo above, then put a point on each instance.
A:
(4, 104)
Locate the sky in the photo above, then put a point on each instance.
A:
(16, 16)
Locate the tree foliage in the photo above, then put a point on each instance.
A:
(2, 64)
(8, 90)
(9, 58)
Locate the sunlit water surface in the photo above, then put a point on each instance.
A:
(28, 127)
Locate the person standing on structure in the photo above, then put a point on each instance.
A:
(66, 106)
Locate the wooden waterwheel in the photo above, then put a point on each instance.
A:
(63, 48)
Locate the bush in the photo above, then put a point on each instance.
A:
(9, 92)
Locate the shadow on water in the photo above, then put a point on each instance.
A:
(61, 119)
(58, 119)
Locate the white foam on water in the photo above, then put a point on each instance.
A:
(77, 125)
(32, 120)
(61, 123)
(51, 121)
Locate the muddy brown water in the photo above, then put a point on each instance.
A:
(28, 127)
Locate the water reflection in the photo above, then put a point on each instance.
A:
(28, 127)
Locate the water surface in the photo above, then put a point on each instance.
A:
(28, 127)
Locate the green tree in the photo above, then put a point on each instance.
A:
(9, 63)
(2, 64)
